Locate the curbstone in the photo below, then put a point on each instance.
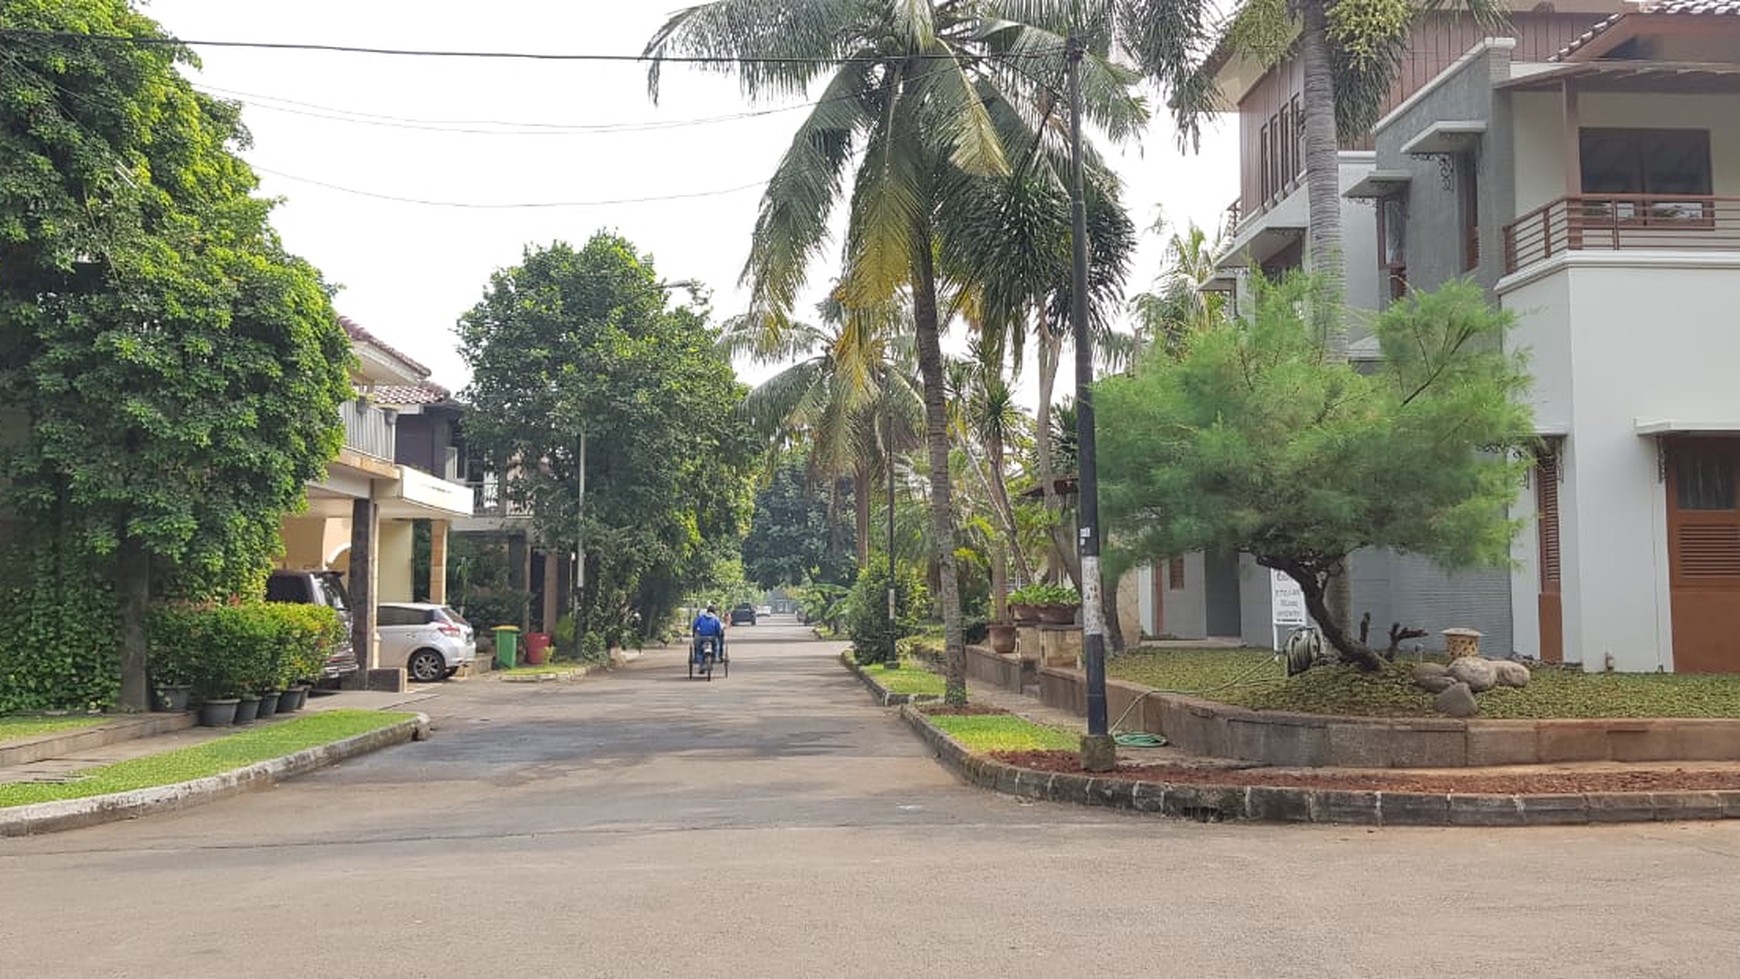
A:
(53, 817)
(1485, 810)
(1413, 809)
(1620, 807)
(1687, 805)
(1557, 809)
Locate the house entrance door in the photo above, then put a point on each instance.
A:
(1704, 553)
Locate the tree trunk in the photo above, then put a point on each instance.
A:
(1323, 176)
(133, 568)
(1062, 547)
(999, 585)
(861, 506)
(1006, 508)
(936, 436)
(1351, 649)
(1109, 606)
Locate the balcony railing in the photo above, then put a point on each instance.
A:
(489, 498)
(1622, 222)
(367, 429)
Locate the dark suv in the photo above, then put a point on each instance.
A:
(319, 588)
(743, 614)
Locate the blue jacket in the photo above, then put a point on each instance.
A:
(708, 624)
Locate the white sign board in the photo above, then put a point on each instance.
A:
(1286, 604)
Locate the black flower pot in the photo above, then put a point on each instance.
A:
(292, 699)
(247, 710)
(172, 699)
(269, 703)
(218, 713)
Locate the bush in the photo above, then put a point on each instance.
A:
(240, 649)
(486, 609)
(1045, 594)
(867, 610)
(307, 636)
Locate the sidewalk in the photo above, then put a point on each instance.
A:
(61, 768)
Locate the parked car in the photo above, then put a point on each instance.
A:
(319, 588)
(743, 614)
(433, 641)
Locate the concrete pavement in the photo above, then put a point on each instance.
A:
(777, 824)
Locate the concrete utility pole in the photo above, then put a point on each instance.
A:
(1098, 749)
(888, 462)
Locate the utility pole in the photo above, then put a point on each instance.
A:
(893, 662)
(1098, 749)
(580, 548)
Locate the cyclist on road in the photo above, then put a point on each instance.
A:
(707, 624)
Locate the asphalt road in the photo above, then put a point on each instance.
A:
(777, 824)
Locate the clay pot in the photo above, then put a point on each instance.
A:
(1002, 637)
(1057, 614)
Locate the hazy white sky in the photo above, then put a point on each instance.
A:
(409, 270)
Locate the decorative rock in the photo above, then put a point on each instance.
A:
(1458, 701)
(1476, 672)
(1509, 674)
(1436, 684)
(1424, 670)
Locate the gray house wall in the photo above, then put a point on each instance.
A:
(1183, 611)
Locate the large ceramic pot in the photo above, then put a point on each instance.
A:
(269, 703)
(1002, 637)
(1023, 614)
(292, 699)
(218, 713)
(1057, 614)
(173, 699)
(247, 710)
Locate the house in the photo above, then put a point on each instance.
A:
(1227, 595)
(397, 466)
(1595, 192)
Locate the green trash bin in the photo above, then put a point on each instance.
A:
(507, 642)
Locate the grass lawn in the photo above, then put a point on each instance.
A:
(912, 678)
(981, 733)
(1391, 693)
(19, 728)
(547, 667)
(219, 755)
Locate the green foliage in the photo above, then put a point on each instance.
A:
(584, 340)
(1366, 29)
(823, 602)
(175, 374)
(867, 610)
(211, 758)
(59, 640)
(1252, 442)
(909, 678)
(800, 531)
(982, 733)
(1045, 593)
(242, 648)
(22, 728)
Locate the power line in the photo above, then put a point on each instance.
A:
(515, 206)
(148, 40)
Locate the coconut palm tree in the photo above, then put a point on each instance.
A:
(1180, 306)
(919, 98)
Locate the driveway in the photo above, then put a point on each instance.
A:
(777, 824)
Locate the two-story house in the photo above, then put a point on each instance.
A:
(1595, 192)
(1227, 595)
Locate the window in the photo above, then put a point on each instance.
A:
(1704, 477)
(1175, 574)
(399, 615)
(1392, 218)
(1280, 144)
(1468, 202)
(1646, 162)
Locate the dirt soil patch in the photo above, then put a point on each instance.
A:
(970, 710)
(1517, 783)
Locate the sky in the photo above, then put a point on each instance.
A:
(491, 132)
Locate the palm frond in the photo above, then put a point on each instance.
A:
(888, 208)
(784, 37)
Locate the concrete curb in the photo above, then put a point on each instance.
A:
(52, 817)
(883, 695)
(1212, 803)
(121, 728)
(571, 673)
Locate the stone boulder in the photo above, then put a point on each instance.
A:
(1478, 673)
(1510, 674)
(1424, 670)
(1457, 701)
(1436, 684)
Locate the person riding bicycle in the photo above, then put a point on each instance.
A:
(707, 625)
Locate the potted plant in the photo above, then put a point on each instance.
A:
(1050, 604)
(168, 650)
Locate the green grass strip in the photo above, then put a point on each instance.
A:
(563, 667)
(1004, 732)
(211, 758)
(19, 728)
(911, 678)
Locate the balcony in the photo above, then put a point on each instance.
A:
(368, 430)
(489, 498)
(1622, 222)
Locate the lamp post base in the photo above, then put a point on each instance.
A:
(1099, 753)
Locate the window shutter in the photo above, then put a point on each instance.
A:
(1175, 573)
(1709, 550)
(1547, 519)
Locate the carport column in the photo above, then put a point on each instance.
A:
(364, 557)
(438, 562)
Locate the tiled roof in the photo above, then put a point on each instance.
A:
(360, 335)
(426, 393)
(1731, 7)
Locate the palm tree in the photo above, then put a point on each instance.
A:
(1180, 306)
(922, 97)
(848, 396)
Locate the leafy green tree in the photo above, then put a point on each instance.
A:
(178, 373)
(1180, 306)
(796, 534)
(583, 343)
(1256, 441)
(873, 633)
(920, 98)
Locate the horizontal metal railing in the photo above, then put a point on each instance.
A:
(489, 498)
(1622, 222)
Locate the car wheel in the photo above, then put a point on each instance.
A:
(426, 666)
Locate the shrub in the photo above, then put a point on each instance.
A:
(486, 609)
(1045, 594)
(240, 649)
(867, 610)
(307, 635)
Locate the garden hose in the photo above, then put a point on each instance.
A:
(1139, 740)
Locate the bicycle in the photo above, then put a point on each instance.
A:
(706, 653)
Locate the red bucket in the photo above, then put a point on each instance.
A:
(537, 647)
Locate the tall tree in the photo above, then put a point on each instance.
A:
(178, 372)
(576, 345)
(1253, 441)
(1180, 305)
(796, 535)
(922, 97)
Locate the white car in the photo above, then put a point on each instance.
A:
(433, 641)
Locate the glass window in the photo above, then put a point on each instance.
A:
(333, 591)
(1704, 478)
(1646, 161)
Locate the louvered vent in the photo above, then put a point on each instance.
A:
(1547, 518)
(1709, 551)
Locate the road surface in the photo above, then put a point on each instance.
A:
(777, 824)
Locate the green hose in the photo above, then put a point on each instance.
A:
(1135, 740)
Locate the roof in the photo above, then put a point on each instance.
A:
(359, 335)
(426, 393)
(1715, 7)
